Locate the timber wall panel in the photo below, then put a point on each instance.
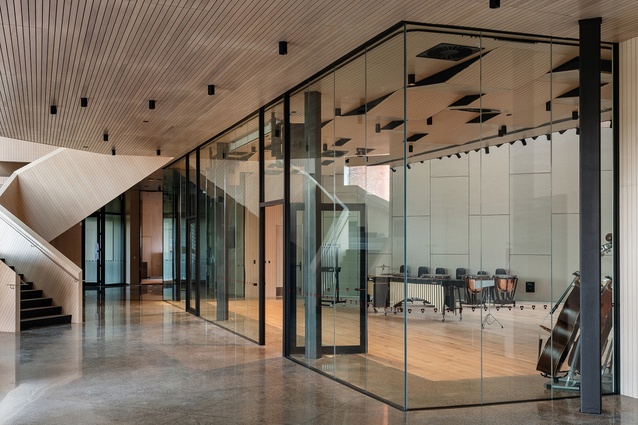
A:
(628, 217)
(42, 264)
(9, 299)
(60, 189)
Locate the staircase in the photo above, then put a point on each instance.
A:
(35, 309)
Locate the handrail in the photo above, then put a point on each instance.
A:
(36, 244)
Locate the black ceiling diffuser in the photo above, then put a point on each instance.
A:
(449, 52)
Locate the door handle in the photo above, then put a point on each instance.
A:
(298, 265)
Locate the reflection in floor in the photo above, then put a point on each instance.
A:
(138, 360)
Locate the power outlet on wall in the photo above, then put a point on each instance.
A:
(530, 286)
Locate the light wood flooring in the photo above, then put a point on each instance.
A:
(436, 350)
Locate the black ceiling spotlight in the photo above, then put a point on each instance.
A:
(548, 105)
(458, 155)
(549, 136)
(159, 152)
(411, 80)
(487, 150)
(449, 156)
(325, 147)
(429, 121)
(574, 115)
(105, 137)
(495, 4)
(84, 102)
(466, 152)
(410, 148)
(377, 128)
(113, 151)
(151, 104)
(211, 89)
(524, 142)
(283, 47)
(502, 131)
(54, 109)
(409, 167)
(577, 131)
(394, 170)
(337, 112)
(347, 160)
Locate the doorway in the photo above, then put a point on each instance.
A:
(274, 273)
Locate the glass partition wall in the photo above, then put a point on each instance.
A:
(432, 232)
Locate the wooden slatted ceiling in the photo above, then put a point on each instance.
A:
(119, 54)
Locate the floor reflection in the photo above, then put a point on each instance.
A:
(137, 359)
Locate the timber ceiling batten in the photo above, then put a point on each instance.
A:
(119, 54)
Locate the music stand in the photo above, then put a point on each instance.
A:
(490, 318)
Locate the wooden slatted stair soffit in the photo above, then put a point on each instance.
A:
(36, 310)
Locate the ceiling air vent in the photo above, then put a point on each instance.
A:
(449, 52)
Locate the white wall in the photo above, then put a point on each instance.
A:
(515, 208)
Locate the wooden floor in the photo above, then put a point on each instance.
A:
(436, 350)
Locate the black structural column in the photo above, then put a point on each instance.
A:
(312, 224)
(589, 73)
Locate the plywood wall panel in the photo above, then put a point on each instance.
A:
(59, 190)
(9, 299)
(628, 213)
(42, 264)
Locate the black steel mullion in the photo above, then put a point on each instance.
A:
(616, 211)
(289, 296)
(589, 168)
(197, 196)
(102, 243)
(262, 232)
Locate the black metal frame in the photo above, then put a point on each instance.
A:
(589, 396)
(101, 221)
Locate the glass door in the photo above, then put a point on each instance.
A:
(328, 311)
(192, 272)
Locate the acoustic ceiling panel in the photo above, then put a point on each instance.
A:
(120, 54)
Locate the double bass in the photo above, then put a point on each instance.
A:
(565, 331)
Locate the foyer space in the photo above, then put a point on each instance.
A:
(139, 360)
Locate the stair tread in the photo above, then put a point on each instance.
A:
(33, 319)
(39, 308)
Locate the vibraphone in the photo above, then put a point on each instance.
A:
(433, 290)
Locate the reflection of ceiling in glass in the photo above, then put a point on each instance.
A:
(498, 91)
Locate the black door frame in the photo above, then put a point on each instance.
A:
(290, 263)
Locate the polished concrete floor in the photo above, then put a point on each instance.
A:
(147, 362)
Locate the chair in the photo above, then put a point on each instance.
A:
(423, 270)
(460, 272)
(405, 270)
(440, 270)
(460, 275)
